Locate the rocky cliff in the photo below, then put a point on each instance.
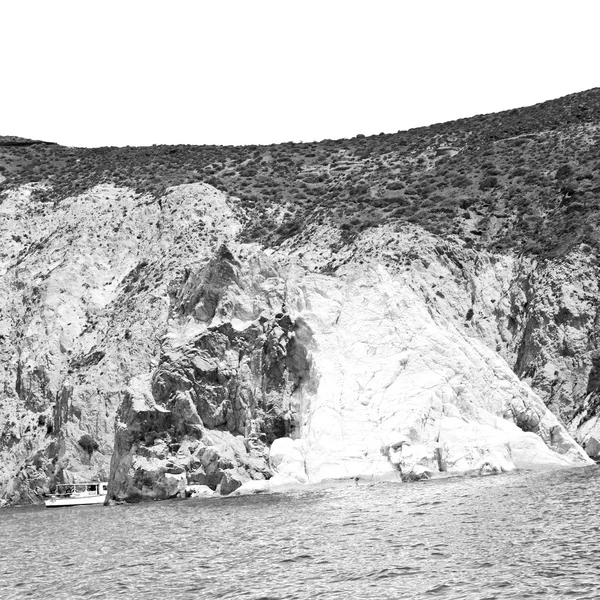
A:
(142, 342)
(192, 338)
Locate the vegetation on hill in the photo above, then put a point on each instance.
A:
(525, 180)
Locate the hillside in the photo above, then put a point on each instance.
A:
(525, 179)
(402, 305)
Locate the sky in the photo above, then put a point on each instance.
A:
(128, 72)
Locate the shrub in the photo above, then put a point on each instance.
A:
(563, 172)
(461, 181)
(519, 172)
(487, 183)
(88, 443)
(395, 185)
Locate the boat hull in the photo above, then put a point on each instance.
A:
(53, 502)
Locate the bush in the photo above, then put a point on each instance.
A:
(461, 181)
(88, 443)
(564, 172)
(487, 183)
(395, 185)
(519, 172)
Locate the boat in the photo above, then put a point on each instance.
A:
(76, 494)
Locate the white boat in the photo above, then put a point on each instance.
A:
(76, 494)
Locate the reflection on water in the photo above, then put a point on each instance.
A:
(511, 536)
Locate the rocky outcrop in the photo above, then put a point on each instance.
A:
(354, 376)
(232, 360)
(399, 391)
(190, 359)
(538, 315)
(83, 302)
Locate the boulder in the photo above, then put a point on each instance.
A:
(198, 491)
(175, 485)
(592, 447)
(232, 479)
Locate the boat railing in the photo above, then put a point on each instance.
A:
(78, 489)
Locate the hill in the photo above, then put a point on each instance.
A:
(521, 180)
(391, 306)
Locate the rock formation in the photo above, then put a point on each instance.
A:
(355, 375)
(184, 354)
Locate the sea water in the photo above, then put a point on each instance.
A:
(520, 535)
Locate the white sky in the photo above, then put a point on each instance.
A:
(129, 72)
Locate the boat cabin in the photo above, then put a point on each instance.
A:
(81, 489)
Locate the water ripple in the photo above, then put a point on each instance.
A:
(523, 535)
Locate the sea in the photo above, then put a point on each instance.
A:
(517, 535)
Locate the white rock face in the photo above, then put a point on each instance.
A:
(391, 389)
